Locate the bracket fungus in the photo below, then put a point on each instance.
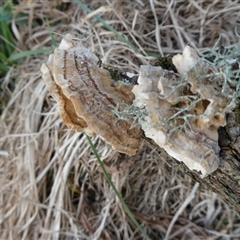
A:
(185, 110)
(180, 111)
(87, 95)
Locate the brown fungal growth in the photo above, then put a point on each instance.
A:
(86, 95)
(180, 111)
(185, 110)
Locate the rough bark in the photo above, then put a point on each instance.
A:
(225, 181)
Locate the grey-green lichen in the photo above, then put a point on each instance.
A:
(185, 110)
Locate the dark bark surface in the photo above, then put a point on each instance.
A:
(225, 181)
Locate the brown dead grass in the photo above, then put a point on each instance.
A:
(51, 184)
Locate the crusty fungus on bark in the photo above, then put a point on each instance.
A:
(185, 110)
(86, 95)
(180, 111)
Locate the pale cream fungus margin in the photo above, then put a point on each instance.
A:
(182, 111)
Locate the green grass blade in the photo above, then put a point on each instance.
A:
(126, 208)
(3, 68)
(54, 43)
(3, 57)
(29, 53)
(7, 36)
(5, 16)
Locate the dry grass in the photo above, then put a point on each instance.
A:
(51, 184)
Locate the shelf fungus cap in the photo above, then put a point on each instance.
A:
(183, 62)
(87, 95)
(184, 111)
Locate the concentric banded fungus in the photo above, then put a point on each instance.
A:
(184, 112)
(87, 95)
(181, 113)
